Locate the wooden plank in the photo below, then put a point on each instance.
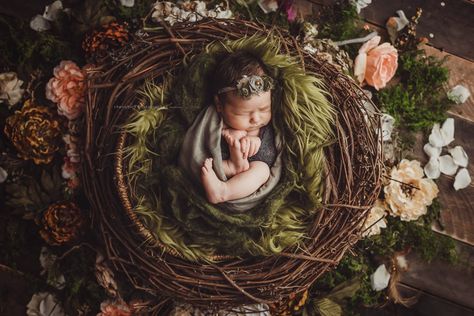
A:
(454, 283)
(461, 71)
(451, 25)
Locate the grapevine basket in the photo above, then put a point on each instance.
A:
(353, 182)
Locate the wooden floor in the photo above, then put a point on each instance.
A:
(443, 289)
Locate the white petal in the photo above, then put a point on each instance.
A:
(462, 180)
(432, 168)
(127, 3)
(447, 131)
(447, 165)
(360, 65)
(387, 126)
(402, 20)
(52, 11)
(379, 280)
(435, 138)
(39, 24)
(459, 94)
(431, 151)
(459, 156)
(3, 175)
(268, 6)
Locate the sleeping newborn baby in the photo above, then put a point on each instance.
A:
(231, 148)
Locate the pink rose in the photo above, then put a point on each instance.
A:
(116, 308)
(376, 64)
(66, 89)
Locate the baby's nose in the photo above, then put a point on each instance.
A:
(255, 118)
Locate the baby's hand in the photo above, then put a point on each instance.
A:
(250, 145)
(233, 134)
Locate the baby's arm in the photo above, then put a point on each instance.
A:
(249, 145)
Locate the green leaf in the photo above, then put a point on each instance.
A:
(327, 307)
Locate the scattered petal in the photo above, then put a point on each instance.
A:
(431, 169)
(447, 165)
(435, 138)
(459, 94)
(360, 4)
(431, 151)
(3, 175)
(462, 180)
(39, 23)
(459, 156)
(379, 279)
(52, 11)
(447, 131)
(127, 3)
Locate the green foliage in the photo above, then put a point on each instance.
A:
(31, 194)
(134, 14)
(81, 285)
(400, 235)
(419, 99)
(251, 11)
(24, 50)
(340, 22)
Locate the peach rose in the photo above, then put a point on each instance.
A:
(376, 64)
(66, 89)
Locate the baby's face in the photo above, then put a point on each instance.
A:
(246, 114)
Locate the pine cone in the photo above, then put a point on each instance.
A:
(62, 223)
(35, 131)
(100, 43)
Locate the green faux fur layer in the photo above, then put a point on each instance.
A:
(176, 211)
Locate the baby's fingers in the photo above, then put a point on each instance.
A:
(245, 147)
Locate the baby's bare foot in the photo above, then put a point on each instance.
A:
(215, 188)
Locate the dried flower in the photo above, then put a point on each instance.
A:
(44, 304)
(408, 194)
(114, 308)
(35, 132)
(62, 223)
(376, 64)
(100, 43)
(10, 88)
(105, 276)
(66, 89)
(376, 219)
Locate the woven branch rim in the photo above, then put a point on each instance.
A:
(353, 183)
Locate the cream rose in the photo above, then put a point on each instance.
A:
(408, 194)
(376, 64)
(376, 220)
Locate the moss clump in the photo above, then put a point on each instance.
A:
(419, 99)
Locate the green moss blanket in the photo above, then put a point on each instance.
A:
(174, 208)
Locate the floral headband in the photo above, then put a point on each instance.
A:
(250, 85)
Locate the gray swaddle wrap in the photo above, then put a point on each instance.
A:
(203, 140)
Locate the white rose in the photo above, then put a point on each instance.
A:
(10, 88)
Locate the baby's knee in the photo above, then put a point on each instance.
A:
(261, 168)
